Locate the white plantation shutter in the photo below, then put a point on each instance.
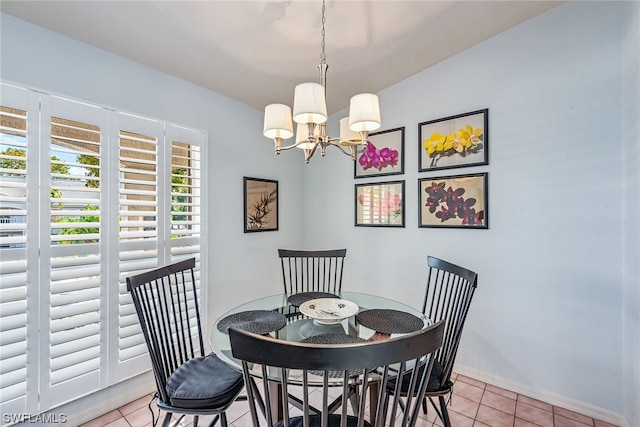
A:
(77, 339)
(86, 199)
(186, 201)
(139, 213)
(18, 251)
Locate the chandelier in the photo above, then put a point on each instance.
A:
(310, 115)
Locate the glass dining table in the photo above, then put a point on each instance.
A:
(288, 317)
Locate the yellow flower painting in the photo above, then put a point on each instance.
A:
(462, 140)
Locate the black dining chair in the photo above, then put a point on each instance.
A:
(450, 289)
(312, 271)
(370, 363)
(189, 382)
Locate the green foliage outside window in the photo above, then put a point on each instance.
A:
(80, 230)
(18, 164)
(179, 190)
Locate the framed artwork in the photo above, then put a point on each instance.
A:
(383, 155)
(454, 142)
(380, 204)
(459, 201)
(260, 205)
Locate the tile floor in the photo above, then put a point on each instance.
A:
(474, 404)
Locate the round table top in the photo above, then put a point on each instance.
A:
(299, 327)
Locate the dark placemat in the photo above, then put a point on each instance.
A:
(389, 321)
(257, 321)
(302, 297)
(333, 339)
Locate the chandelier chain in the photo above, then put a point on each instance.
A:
(323, 57)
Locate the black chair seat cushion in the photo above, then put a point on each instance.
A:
(435, 380)
(316, 421)
(204, 383)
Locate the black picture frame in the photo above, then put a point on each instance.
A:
(455, 201)
(380, 204)
(389, 163)
(454, 142)
(261, 208)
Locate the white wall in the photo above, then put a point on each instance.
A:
(547, 314)
(631, 235)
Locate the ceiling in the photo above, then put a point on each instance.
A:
(257, 51)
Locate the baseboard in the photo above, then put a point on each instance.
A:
(545, 396)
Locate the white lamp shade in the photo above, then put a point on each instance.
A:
(309, 105)
(364, 112)
(346, 134)
(277, 121)
(302, 135)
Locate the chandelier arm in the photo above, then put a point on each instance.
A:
(352, 149)
(289, 147)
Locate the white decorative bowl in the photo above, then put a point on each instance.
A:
(329, 311)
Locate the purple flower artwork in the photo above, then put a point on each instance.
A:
(449, 204)
(455, 201)
(372, 157)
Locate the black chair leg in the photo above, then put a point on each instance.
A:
(214, 420)
(167, 419)
(354, 398)
(424, 405)
(195, 421)
(445, 414)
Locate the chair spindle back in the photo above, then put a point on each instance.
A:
(312, 271)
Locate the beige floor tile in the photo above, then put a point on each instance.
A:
(423, 422)
(599, 423)
(493, 417)
(103, 419)
(120, 422)
(573, 416)
(534, 402)
(244, 421)
(136, 404)
(140, 417)
(471, 381)
(501, 391)
(560, 421)
(522, 423)
(499, 402)
(430, 416)
(463, 406)
(469, 391)
(237, 409)
(457, 420)
(534, 415)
